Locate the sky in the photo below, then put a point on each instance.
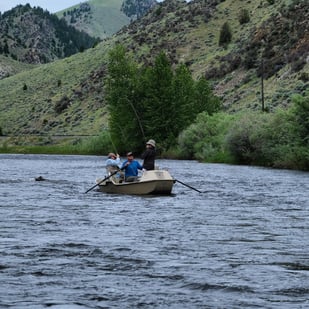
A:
(50, 5)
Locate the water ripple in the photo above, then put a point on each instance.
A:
(243, 243)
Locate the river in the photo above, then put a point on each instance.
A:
(241, 243)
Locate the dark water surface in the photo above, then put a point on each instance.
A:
(243, 243)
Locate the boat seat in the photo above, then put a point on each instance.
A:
(132, 179)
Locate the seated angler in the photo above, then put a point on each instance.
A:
(112, 163)
(131, 167)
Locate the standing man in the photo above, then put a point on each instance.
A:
(149, 155)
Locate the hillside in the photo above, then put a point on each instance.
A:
(34, 36)
(31, 36)
(276, 34)
(103, 18)
(9, 66)
(66, 97)
(98, 18)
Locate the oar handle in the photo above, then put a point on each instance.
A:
(104, 180)
(188, 186)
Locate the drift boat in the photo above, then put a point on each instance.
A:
(150, 182)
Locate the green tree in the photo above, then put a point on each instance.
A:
(159, 104)
(245, 139)
(300, 110)
(152, 101)
(124, 119)
(204, 99)
(225, 35)
(183, 89)
(204, 138)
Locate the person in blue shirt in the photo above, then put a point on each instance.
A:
(131, 167)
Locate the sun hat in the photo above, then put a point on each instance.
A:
(151, 142)
(111, 154)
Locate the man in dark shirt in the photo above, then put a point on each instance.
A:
(149, 155)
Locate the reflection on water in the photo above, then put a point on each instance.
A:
(242, 243)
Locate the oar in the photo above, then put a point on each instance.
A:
(104, 180)
(188, 186)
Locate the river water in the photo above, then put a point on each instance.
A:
(241, 243)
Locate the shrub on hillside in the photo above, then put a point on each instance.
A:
(62, 104)
(243, 16)
(225, 35)
(98, 145)
(244, 139)
(204, 139)
(280, 140)
(277, 140)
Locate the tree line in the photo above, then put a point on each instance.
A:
(279, 139)
(155, 101)
(186, 119)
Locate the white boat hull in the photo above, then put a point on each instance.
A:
(151, 182)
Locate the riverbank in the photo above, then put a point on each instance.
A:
(100, 145)
(46, 144)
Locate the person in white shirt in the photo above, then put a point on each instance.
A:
(113, 160)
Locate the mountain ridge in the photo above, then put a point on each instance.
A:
(34, 36)
(97, 18)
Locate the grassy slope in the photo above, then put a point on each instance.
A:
(238, 89)
(242, 89)
(33, 110)
(198, 46)
(106, 15)
(8, 66)
(33, 107)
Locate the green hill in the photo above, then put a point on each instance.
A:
(31, 36)
(34, 36)
(99, 18)
(9, 66)
(66, 97)
(103, 18)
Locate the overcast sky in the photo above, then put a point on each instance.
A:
(50, 5)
